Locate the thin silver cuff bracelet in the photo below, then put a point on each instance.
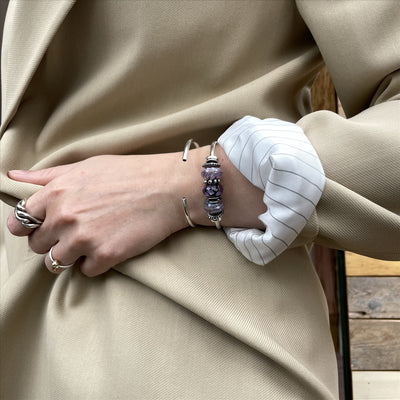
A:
(184, 199)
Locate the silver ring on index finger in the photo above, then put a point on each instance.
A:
(26, 219)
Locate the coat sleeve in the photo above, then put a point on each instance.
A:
(360, 206)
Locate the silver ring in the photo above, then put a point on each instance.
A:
(55, 264)
(24, 217)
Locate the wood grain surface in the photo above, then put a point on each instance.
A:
(377, 297)
(323, 95)
(375, 345)
(374, 385)
(357, 265)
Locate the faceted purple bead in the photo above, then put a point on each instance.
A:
(208, 191)
(212, 190)
(214, 208)
(211, 173)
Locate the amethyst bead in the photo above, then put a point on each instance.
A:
(214, 208)
(211, 173)
(213, 190)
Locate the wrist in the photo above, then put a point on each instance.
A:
(243, 202)
(192, 187)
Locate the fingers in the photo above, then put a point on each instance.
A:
(69, 251)
(58, 259)
(16, 227)
(41, 239)
(37, 206)
(86, 213)
(105, 256)
(37, 203)
(93, 266)
(39, 177)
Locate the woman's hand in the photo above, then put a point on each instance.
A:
(105, 209)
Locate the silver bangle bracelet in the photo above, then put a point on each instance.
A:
(184, 199)
(187, 148)
(185, 209)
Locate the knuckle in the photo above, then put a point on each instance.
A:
(54, 191)
(108, 254)
(66, 215)
(35, 245)
(93, 269)
(15, 227)
(103, 255)
(11, 226)
(90, 273)
(82, 239)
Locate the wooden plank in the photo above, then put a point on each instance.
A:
(375, 344)
(377, 297)
(357, 265)
(323, 95)
(374, 385)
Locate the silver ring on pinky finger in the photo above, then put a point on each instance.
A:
(56, 264)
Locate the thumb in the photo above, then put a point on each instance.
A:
(39, 177)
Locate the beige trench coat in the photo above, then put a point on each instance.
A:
(192, 318)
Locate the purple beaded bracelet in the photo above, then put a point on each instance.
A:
(212, 188)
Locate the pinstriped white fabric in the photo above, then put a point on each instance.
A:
(277, 157)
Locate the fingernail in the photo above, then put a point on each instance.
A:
(17, 172)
